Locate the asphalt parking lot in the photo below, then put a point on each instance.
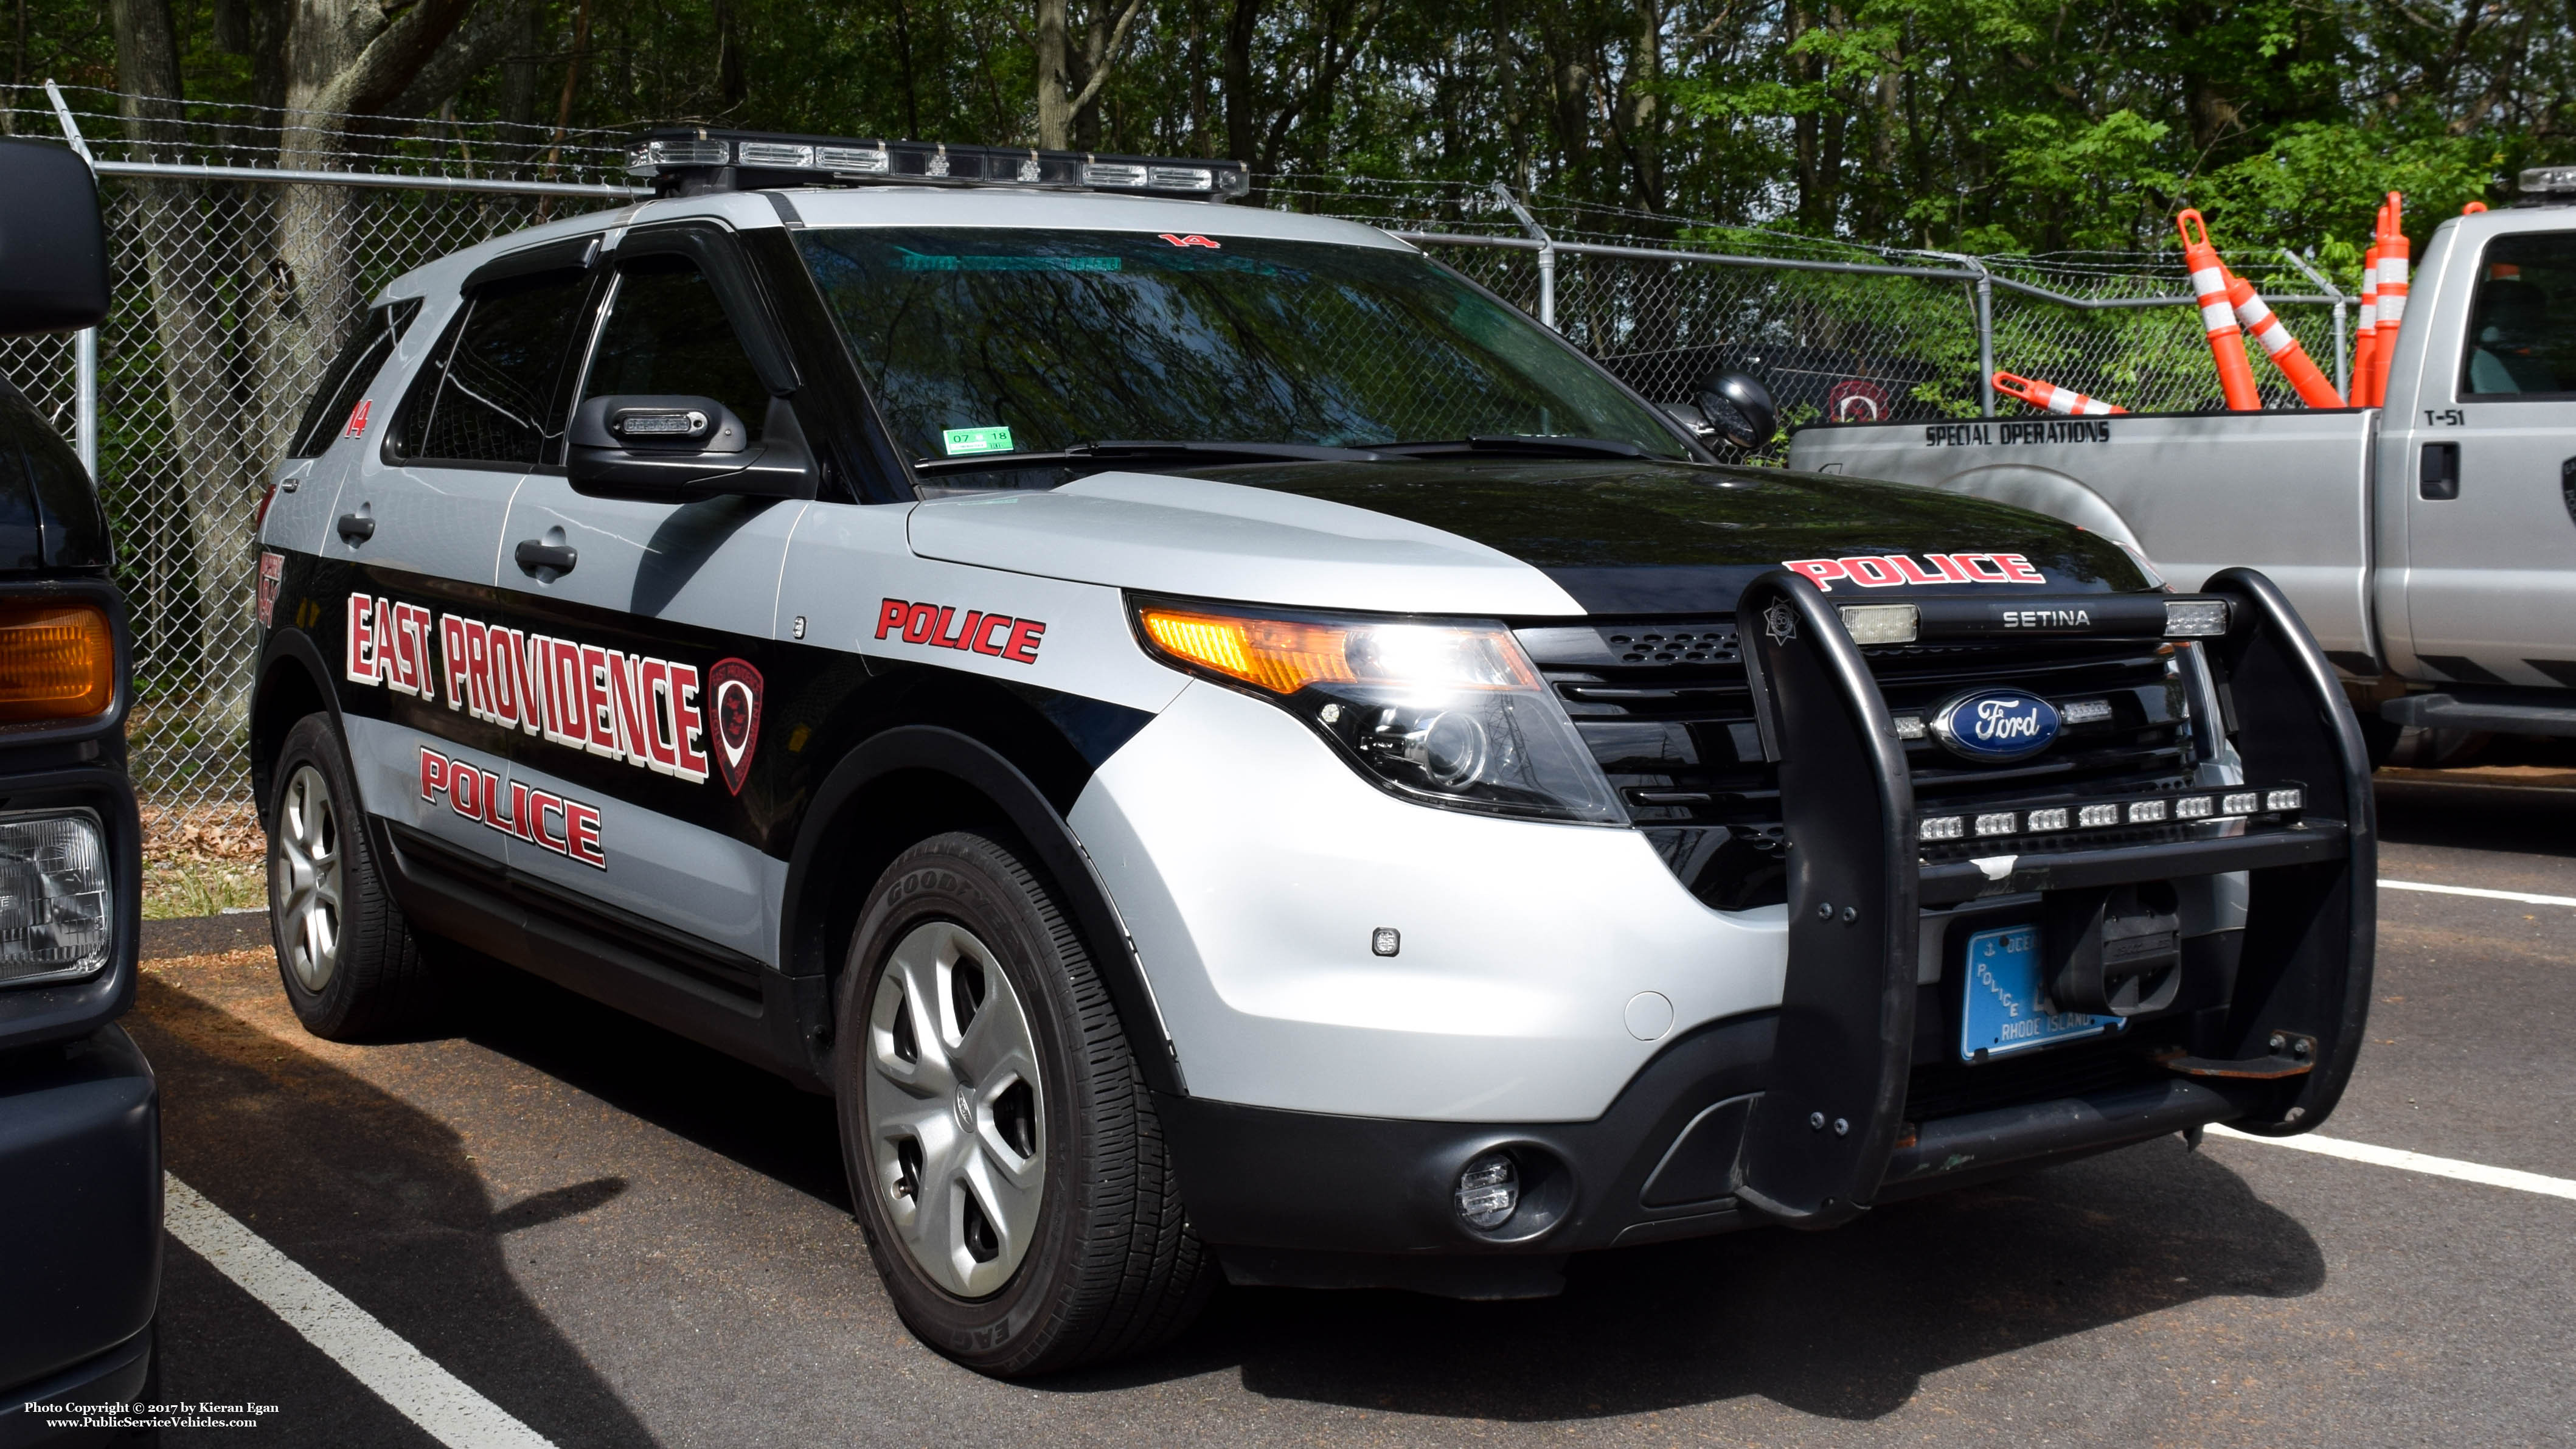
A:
(621, 1239)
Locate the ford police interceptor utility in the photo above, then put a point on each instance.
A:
(1230, 751)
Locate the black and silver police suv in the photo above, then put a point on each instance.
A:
(1233, 753)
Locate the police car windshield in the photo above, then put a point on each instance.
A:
(1002, 343)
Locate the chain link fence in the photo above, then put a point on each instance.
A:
(246, 245)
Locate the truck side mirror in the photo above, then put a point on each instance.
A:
(53, 251)
(1739, 408)
(673, 449)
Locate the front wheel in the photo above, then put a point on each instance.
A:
(350, 963)
(1001, 1145)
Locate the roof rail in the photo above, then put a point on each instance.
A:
(694, 160)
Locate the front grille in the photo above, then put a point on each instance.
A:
(1664, 706)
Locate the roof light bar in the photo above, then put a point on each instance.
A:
(2539, 179)
(693, 160)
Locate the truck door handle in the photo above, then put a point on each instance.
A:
(357, 527)
(2440, 475)
(533, 555)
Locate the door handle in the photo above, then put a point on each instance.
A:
(534, 554)
(2440, 478)
(357, 527)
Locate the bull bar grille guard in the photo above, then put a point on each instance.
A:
(1828, 1138)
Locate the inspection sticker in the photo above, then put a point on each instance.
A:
(977, 440)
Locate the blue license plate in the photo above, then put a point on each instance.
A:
(2006, 1011)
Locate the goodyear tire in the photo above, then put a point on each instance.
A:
(351, 965)
(1001, 1145)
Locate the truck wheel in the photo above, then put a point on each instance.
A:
(352, 967)
(1001, 1145)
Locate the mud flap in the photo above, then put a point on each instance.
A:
(2310, 929)
(1820, 1137)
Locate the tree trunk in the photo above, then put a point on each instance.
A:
(1055, 95)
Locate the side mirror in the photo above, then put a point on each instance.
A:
(53, 251)
(671, 448)
(1739, 408)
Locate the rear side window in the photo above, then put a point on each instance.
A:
(667, 334)
(492, 390)
(345, 381)
(2522, 320)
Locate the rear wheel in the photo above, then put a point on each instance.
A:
(351, 965)
(1000, 1141)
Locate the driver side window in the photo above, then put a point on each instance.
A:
(667, 334)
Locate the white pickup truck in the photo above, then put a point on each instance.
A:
(2429, 544)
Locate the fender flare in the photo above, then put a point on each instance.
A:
(934, 749)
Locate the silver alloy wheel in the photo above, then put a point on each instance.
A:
(304, 882)
(956, 1113)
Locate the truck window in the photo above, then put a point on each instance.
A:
(492, 390)
(346, 379)
(2522, 320)
(667, 334)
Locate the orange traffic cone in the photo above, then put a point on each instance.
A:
(2050, 398)
(2284, 349)
(2392, 292)
(2217, 316)
(2365, 336)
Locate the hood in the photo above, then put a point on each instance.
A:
(1519, 538)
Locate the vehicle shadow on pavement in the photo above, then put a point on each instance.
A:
(1844, 1324)
(2531, 822)
(379, 1200)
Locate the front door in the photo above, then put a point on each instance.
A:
(2490, 459)
(649, 636)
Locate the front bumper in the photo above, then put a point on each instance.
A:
(80, 1215)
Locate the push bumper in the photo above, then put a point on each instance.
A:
(80, 1215)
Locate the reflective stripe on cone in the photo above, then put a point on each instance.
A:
(2052, 398)
(2217, 315)
(2365, 337)
(2268, 329)
(2392, 291)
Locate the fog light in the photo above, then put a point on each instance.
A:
(2096, 815)
(2283, 800)
(55, 905)
(2243, 803)
(1941, 827)
(2192, 807)
(2048, 819)
(1489, 1191)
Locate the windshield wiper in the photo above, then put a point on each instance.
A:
(1528, 444)
(1150, 449)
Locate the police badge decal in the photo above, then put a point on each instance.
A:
(736, 716)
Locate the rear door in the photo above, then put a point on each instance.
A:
(415, 534)
(2489, 458)
(651, 634)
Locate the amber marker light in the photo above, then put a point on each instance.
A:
(57, 660)
(1278, 655)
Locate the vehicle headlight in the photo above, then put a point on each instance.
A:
(1442, 712)
(56, 908)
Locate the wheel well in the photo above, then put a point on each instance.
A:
(886, 817)
(287, 693)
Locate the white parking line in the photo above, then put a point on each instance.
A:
(2443, 890)
(403, 1376)
(2510, 1177)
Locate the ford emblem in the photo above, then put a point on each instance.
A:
(1996, 725)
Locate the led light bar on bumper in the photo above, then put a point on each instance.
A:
(1441, 712)
(57, 911)
(1944, 618)
(2151, 810)
(674, 158)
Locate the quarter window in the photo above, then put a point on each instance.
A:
(2522, 320)
(667, 334)
(347, 378)
(491, 391)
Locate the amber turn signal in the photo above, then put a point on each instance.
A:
(1277, 654)
(57, 660)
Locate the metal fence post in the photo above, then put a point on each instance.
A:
(85, 343)
(1546, 255)
(2342, 355)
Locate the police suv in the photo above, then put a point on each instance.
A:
(1232, 752)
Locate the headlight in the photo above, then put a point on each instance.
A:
(56, 910)
(1444, 713)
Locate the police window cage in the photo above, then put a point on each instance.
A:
(237, 287)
